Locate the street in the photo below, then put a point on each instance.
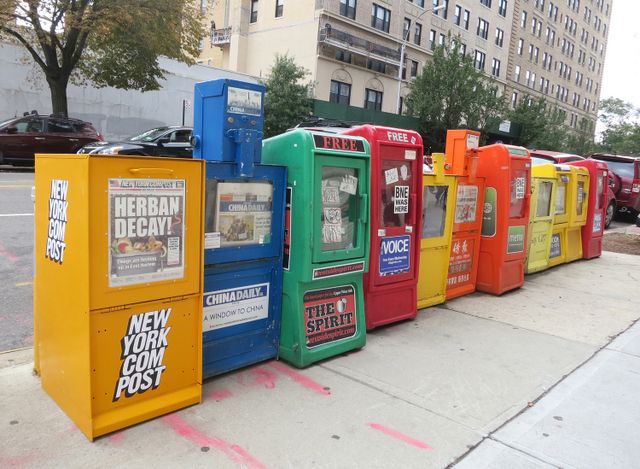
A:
(16, 258)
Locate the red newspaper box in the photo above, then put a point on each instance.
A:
(593, 230)
(396, 210)
(461, 161)
(503, 241)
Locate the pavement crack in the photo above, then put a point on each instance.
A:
(466, 313)
(400, 398)
(491, 433)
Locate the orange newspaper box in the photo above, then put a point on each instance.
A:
(461, 161)
(593, 230)
(503, 241)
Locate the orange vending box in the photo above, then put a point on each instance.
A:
(503, 241)
(461, 161)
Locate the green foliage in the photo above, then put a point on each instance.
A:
(451, 93)
(287, 99)
(110, 43)
(542, 125)
(622, 132)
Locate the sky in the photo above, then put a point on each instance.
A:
(621, 76)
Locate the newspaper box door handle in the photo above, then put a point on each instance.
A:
(150, 171)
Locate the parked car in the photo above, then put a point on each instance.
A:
(545, 156)
(22, 137)
(624, 180)
(172, 141)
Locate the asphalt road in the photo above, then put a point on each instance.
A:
(16, 258)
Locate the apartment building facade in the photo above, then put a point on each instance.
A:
(557, 52)
(352, 47)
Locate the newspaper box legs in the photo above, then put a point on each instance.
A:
(118, 286)
(326, 245)
(244, 228)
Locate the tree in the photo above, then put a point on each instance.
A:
(622, 132)
(452, 93)
(542, 124)
(108, 42)
(287, 98)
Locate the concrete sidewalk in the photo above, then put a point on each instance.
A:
(421, 394)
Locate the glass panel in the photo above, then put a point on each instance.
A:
(543, 208)
(339, 208)
(466, 204)
(238, 213)
(599, 190)
(561, 199)
(518, 192)
(580, 198)
(395, 187)
(434, 210)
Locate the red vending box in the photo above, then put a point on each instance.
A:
(396, 210)
(503, 240)
(593, 230)
(461, 161)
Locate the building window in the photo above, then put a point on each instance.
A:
(520, 46)
(343, 56)
(340, 93)
(372, 99)
(499, 37)
(279, 8)
(516, 74)
(417, 35)
(406, 28)
(502, 8)
(376, 65)
(514, 99)
(523, 19)
(486, 3)
(483, 28)
(254, 11)
(432, 39)
(414, 69)
(465, 19)
(441, 41)
(348, 8)
(380, 18)
(495, 68)
(444, 11)
(457, 12)
(479, 60)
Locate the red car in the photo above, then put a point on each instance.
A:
(624, 180)
(22, 137)
(545, 156)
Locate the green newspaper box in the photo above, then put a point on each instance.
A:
(326, 246)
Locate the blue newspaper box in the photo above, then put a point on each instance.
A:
(244, 228)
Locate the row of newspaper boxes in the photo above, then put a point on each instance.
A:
(154, 273)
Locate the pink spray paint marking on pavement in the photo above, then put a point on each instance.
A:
(236, 453)
(117, 437)
(299, 378)
(8, 255)
(399, 436)
(262, 376)
(220, 395)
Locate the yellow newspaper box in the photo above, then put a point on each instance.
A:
(578, 213)
(544, 181)
(118, 286)
(438, 200)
